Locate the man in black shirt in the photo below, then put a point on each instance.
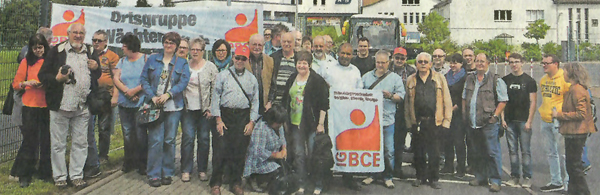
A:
(363, 61)
(518, 116)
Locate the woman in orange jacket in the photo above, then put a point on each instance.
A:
(35, 129)
(576, 124)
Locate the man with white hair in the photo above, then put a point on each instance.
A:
(298, 40)
(320, 57)
(329, 46)
(261, 66)
(69, 73)
(439, 62)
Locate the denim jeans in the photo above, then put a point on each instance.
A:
(61, 123)
(573, 150)
(554, 144)
(388, 151)
(106, 126)
(161, 146)
(135, 140)
(487, 157)
(517, 138)
(300, 142)
(584, 157)
(194, 124)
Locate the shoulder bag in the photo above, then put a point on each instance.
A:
(150, 113)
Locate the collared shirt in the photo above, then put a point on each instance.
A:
(108, 61)
(501, 93)
(263, 143)
(75, 94)
(342, 77)
(227, 93)
(403, 71)
(317, 64)
(425, 97)
(443, 70)
(391, 83)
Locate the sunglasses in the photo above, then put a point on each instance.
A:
(400, 58)
(241, 58)
(438, 56)
(267, 35)
(423, 62)
(97, 40)
(197, 50)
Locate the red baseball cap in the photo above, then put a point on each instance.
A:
(242, 51)
(400, 50)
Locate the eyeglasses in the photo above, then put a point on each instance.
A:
(546, 63)
(480, 61)
(267, 35)
(514, 62)
(400, 58)
(257, 44)
(241, 58)
(423, 62)
(439, 56)
(78, 32)
(97, 40)
(221, 50)
(197, 50)
(381, 62)
(183, 47)
(319, 46)
(169, 43)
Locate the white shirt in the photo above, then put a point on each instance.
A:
(317, 64)
(342, 77)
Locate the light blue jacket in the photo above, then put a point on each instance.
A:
(179, 80)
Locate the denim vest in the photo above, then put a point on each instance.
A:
(486, 97)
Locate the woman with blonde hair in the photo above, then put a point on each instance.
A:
(576, 124)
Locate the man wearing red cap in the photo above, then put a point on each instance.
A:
(404, 70)
(235, 106)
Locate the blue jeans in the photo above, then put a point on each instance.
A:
(161, 146)
(487, 156)
(193, 124)
(584, 157)
(135, 140)
(106, 126)
(554, 143)
(300, 142)
(388, 151)
(517, 138)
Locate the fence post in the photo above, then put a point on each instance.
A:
(44, 12)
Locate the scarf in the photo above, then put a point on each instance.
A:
(453, 78)
(221, 65)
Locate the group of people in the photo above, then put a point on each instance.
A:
(263, 99)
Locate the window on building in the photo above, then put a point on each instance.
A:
(322, 2)
(266, 15)
(300, 2)
(423, 15)
(315, 2)
(380, 13)
(502, 15)
(410, 2)
(417, 18)
(594, 22)
(533, 15)
(405, 18)
(411, 18)
(578, 24)
(587, 24)
(391, 13)
(293, 2)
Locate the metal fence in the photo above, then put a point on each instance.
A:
(11, 41)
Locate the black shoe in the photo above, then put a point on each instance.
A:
(92, 172)
(24, 182)
(447, 171)
(416, 183)
(459, 175)
(435, 185)
(352, 185)
(166, 181)
(142, 171)
(399, 175)
(551, 188)
(154, 182)
(126, 169)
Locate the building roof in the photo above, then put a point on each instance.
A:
(576, 1)
(442, 3)
(367, 3)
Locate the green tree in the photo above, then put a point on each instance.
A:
(167, 3)
(537, 30)
(552, 48)
(95, 3)
(19, 19)
(142, 3)
(532, 51)
(437, 34)
(493, 48)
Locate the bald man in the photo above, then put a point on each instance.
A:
(298, 40)
(320, 58)
(329, 46)
(283, 68)
(261, 66)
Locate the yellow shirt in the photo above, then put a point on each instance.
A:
(553, 89)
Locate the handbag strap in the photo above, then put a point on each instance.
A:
(239, 84)
(169, 77)
(379, 79)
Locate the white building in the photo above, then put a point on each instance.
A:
(580, 18)
(410, 12)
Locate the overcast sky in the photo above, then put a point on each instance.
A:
(131, 3)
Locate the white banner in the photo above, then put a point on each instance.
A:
(233, 23)
(355, 129)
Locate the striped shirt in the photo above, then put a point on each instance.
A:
(286, 69)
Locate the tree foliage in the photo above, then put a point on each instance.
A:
(493, 48)
(96, 3)
(167, 3)
(19, 19)
(142, 3)
(437, 34)
(537, 30)
(552, 48)
(532, 51)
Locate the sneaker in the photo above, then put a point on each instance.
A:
(367, 181)
(300, 191)
(215, 190)
(185, 177)
(513, 182)
(13, 178)
(203, 176)
(494, 187)
(79, 183)
(166, 181)
(526, 183)
(24, 182)
(435, 185)
(389, 184)
(154, 182)
(92, 172)
(317, 191)
(60, 184)
(552, 188)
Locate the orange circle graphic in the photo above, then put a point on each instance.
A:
(357, 117)
(241, 19)
(68, 15)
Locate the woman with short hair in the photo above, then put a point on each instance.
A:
(576, 124)
(221, 53)
(163, 79)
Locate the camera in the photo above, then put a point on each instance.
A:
(64, 70)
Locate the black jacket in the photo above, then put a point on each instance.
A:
(316, 98)
(57, 57)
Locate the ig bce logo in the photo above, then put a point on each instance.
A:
(360, 146)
